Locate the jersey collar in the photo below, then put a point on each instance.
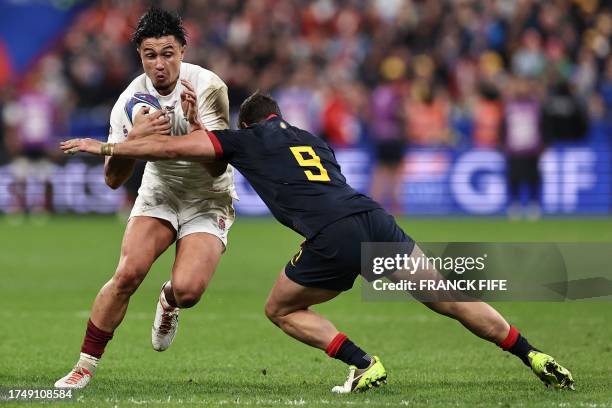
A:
(270, 116)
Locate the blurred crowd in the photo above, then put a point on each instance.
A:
(510, 74)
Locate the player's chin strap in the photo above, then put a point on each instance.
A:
(107, 149)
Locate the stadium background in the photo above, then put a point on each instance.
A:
(324, 60)
(451, 67)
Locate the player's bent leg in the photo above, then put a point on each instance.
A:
(288, 307)
(478, 317)
(197, 257)
(487, 323)
(144, 240)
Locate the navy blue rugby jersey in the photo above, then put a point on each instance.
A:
(294, 172)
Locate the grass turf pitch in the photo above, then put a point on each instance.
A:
(227, 353)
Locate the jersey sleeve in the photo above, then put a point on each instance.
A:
(119, 125)
(230, 144)
(213, 107)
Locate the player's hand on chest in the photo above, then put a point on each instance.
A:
(178, 123)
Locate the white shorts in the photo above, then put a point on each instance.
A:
(213, 214)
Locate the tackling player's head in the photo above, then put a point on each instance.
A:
(256, 108)
(160, 40)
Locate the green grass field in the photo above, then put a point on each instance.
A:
(226, 353)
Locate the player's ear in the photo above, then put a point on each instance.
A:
(183, 51)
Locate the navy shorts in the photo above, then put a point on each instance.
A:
(332, 258)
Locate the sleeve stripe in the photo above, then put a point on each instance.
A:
(216, 144)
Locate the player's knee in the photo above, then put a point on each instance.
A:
(129, 276)
(187, 300)
(272, 312)
(276, 313)
(187, 297)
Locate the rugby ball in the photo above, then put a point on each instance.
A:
(138, 101)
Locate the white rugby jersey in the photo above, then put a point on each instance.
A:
(180, 177)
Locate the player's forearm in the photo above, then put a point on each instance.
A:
(150, 148)
(117, 171)
(195, 147)
(158, 147)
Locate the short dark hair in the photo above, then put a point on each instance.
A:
(256, 108)
(156, 23)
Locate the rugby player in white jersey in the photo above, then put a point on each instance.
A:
(186, 203)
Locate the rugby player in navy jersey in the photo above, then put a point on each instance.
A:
(297, 176)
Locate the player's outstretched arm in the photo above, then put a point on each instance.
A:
(195, 147)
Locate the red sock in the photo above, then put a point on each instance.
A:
(510, 339)
(95, 340)
(334, 345)
(341, 348)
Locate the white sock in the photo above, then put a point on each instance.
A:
(89, 362)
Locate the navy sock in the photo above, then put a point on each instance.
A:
(517, 345)
(353, 355)
(521, 349)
